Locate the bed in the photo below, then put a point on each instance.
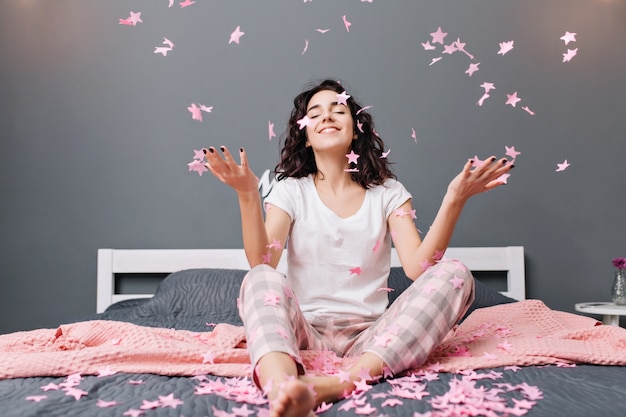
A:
(195, 295)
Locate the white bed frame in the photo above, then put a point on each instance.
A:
(509, 259)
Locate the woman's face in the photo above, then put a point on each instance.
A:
(331, 124)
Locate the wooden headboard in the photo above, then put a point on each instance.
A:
(507, 259)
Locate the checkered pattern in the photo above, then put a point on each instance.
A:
(402, 337)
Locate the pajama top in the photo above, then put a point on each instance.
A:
(338, 267)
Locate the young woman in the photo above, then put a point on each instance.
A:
(338, 206)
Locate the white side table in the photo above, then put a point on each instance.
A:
(610, 312)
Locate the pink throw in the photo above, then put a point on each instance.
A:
(522, 333)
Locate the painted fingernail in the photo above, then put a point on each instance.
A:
(240, 149)
(204, 150)
(504, 161)
(493, 158)
(512, 166)
(211, 149)
(222, 148)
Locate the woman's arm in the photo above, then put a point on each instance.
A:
(256, 237)
(417, 255)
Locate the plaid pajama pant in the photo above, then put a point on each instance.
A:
(402, 337)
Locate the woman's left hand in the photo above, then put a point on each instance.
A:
(475, 180)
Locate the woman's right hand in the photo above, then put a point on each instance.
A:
(225, 168)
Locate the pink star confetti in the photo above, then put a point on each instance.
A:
(352, 157)
(512, 99)
(236, 35)
(343, 98)
(270, 130)
(163, 50)
(571, 53)
(505, 47)
(528, 110)
(36, 398)
(346, 23)
(355, 271)
(460, 46)
(568, 37)
(105, 404)
(305, 121)
(488, 86)
(414, 135)
(472, 68)
(562, 166)
(322, 31)
(50, 387)
(511, 152)
(75, 392)
(428, 47)
(385, 154)
(133, 413)
(169, 401)
(197, 166)
(196, 112)
(450, 49)
(186, 3)
(132, 20)
(438, 36)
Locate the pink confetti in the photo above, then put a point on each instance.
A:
(488, 86)
(236, 35)
(305, 121)
(571, 53)
(133, 413)
(132, 20)
(346, 23)
(511, 152)
(355, 271)
(435, 60)
(343, 98)
(322, 31)
(472, 68)
(528, 110)
(169, 401)
(562, 166)
(36, 398)
(512, 99)
(270, 130)
(352, 157)
(186, 3)
(385, 154)
(428, 47)
(438, 36)
(105, 404)
(414, 135)
(196, 112)
(568, 37)
(482, 99)
(505, 47)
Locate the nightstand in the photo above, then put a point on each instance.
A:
(610, 312)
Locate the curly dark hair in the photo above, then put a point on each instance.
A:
(297, 160)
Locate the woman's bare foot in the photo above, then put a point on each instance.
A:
(294, 400)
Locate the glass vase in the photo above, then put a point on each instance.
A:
(618, 293)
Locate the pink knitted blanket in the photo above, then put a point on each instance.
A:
(522, 333)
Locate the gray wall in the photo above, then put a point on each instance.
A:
(96, 135)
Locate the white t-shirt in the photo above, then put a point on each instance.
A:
(337, 266)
